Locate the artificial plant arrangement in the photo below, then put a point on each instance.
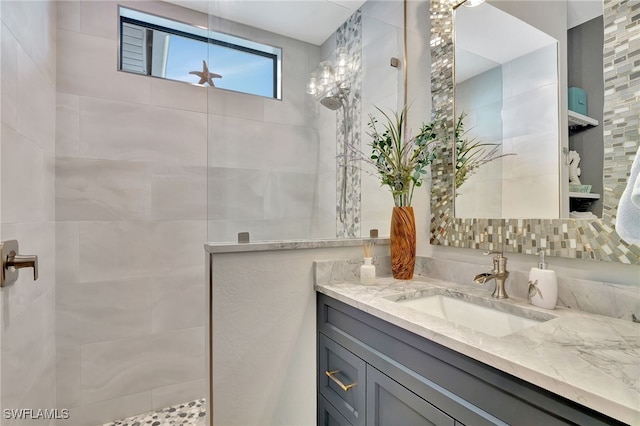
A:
(401, 161)
(471, 153)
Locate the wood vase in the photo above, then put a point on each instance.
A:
(403, 243)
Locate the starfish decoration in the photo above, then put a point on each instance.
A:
(205, 75)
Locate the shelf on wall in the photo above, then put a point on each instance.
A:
(588, 195)
(579, 121)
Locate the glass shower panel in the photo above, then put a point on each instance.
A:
(285, 168)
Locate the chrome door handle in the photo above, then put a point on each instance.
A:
(12, 262)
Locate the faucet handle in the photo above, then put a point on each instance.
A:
(498, 252)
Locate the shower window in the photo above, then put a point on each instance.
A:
(160, 47)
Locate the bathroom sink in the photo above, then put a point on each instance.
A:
(476, 317)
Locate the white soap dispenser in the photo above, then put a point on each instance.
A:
(543, 285)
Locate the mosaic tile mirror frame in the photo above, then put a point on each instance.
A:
(594, 239)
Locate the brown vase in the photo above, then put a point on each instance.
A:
(403, 243)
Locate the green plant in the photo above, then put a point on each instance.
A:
(401, 162)
(471, 154)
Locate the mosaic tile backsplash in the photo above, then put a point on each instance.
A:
(582, 239)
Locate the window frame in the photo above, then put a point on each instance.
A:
(207, 36)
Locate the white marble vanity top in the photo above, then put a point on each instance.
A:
(590, 359)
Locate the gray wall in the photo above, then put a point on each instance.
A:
(585, 63)
(27, 308)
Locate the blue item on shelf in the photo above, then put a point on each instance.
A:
(578, 100)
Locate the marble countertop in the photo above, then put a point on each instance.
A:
(590, 359)
(289, 245)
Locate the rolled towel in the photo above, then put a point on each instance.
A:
(628, 217)
(635, 192)
(582, 215)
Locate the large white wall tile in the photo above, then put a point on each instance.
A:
(25, 350)
(234, 104)
(25, 179)
(67, 244)
(21, 17)
(173, 11)
(387, 12)
(69, 15)
(27, 347)
(239, 143)
(184, 295)
(178, 95)
(88, 66)
(99, 311)
(67, 125)
(102, 189)
(100, 18)
(261, 230)
(126, 131)
(69, 381)
(36, 101)
(111, 369)
(123, 250)
(296, 106)
(237, 194)
(178, 193)
(40, 394)
(289, 195)
(9, 84)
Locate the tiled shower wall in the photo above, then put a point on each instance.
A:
(133, 158)
(131, 155)
(373, 35)
(27, 308)
(263, 153)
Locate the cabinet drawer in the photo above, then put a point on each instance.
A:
(389, 403)
(328, 415)
(341, 379)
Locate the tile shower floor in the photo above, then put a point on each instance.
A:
(190, 413)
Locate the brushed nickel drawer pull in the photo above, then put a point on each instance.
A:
(331, 375)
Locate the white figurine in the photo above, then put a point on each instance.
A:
(574, 169)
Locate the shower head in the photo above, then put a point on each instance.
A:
(331, 102)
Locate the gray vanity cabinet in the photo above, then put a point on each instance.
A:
(371, 372)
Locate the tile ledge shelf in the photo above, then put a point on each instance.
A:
(289, 244)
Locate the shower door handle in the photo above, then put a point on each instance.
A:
(12, 262)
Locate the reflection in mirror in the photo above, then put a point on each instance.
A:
(506, 85)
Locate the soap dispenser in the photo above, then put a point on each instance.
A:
(543, 285)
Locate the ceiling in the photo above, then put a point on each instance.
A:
(312, 21)
(485, 35)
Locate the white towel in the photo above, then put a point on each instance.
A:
(628, 218)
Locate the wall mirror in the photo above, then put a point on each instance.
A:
(593, 238)
(506, 86)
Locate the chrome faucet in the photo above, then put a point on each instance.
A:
(499, 273)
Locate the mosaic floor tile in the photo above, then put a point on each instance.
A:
(192, 413)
